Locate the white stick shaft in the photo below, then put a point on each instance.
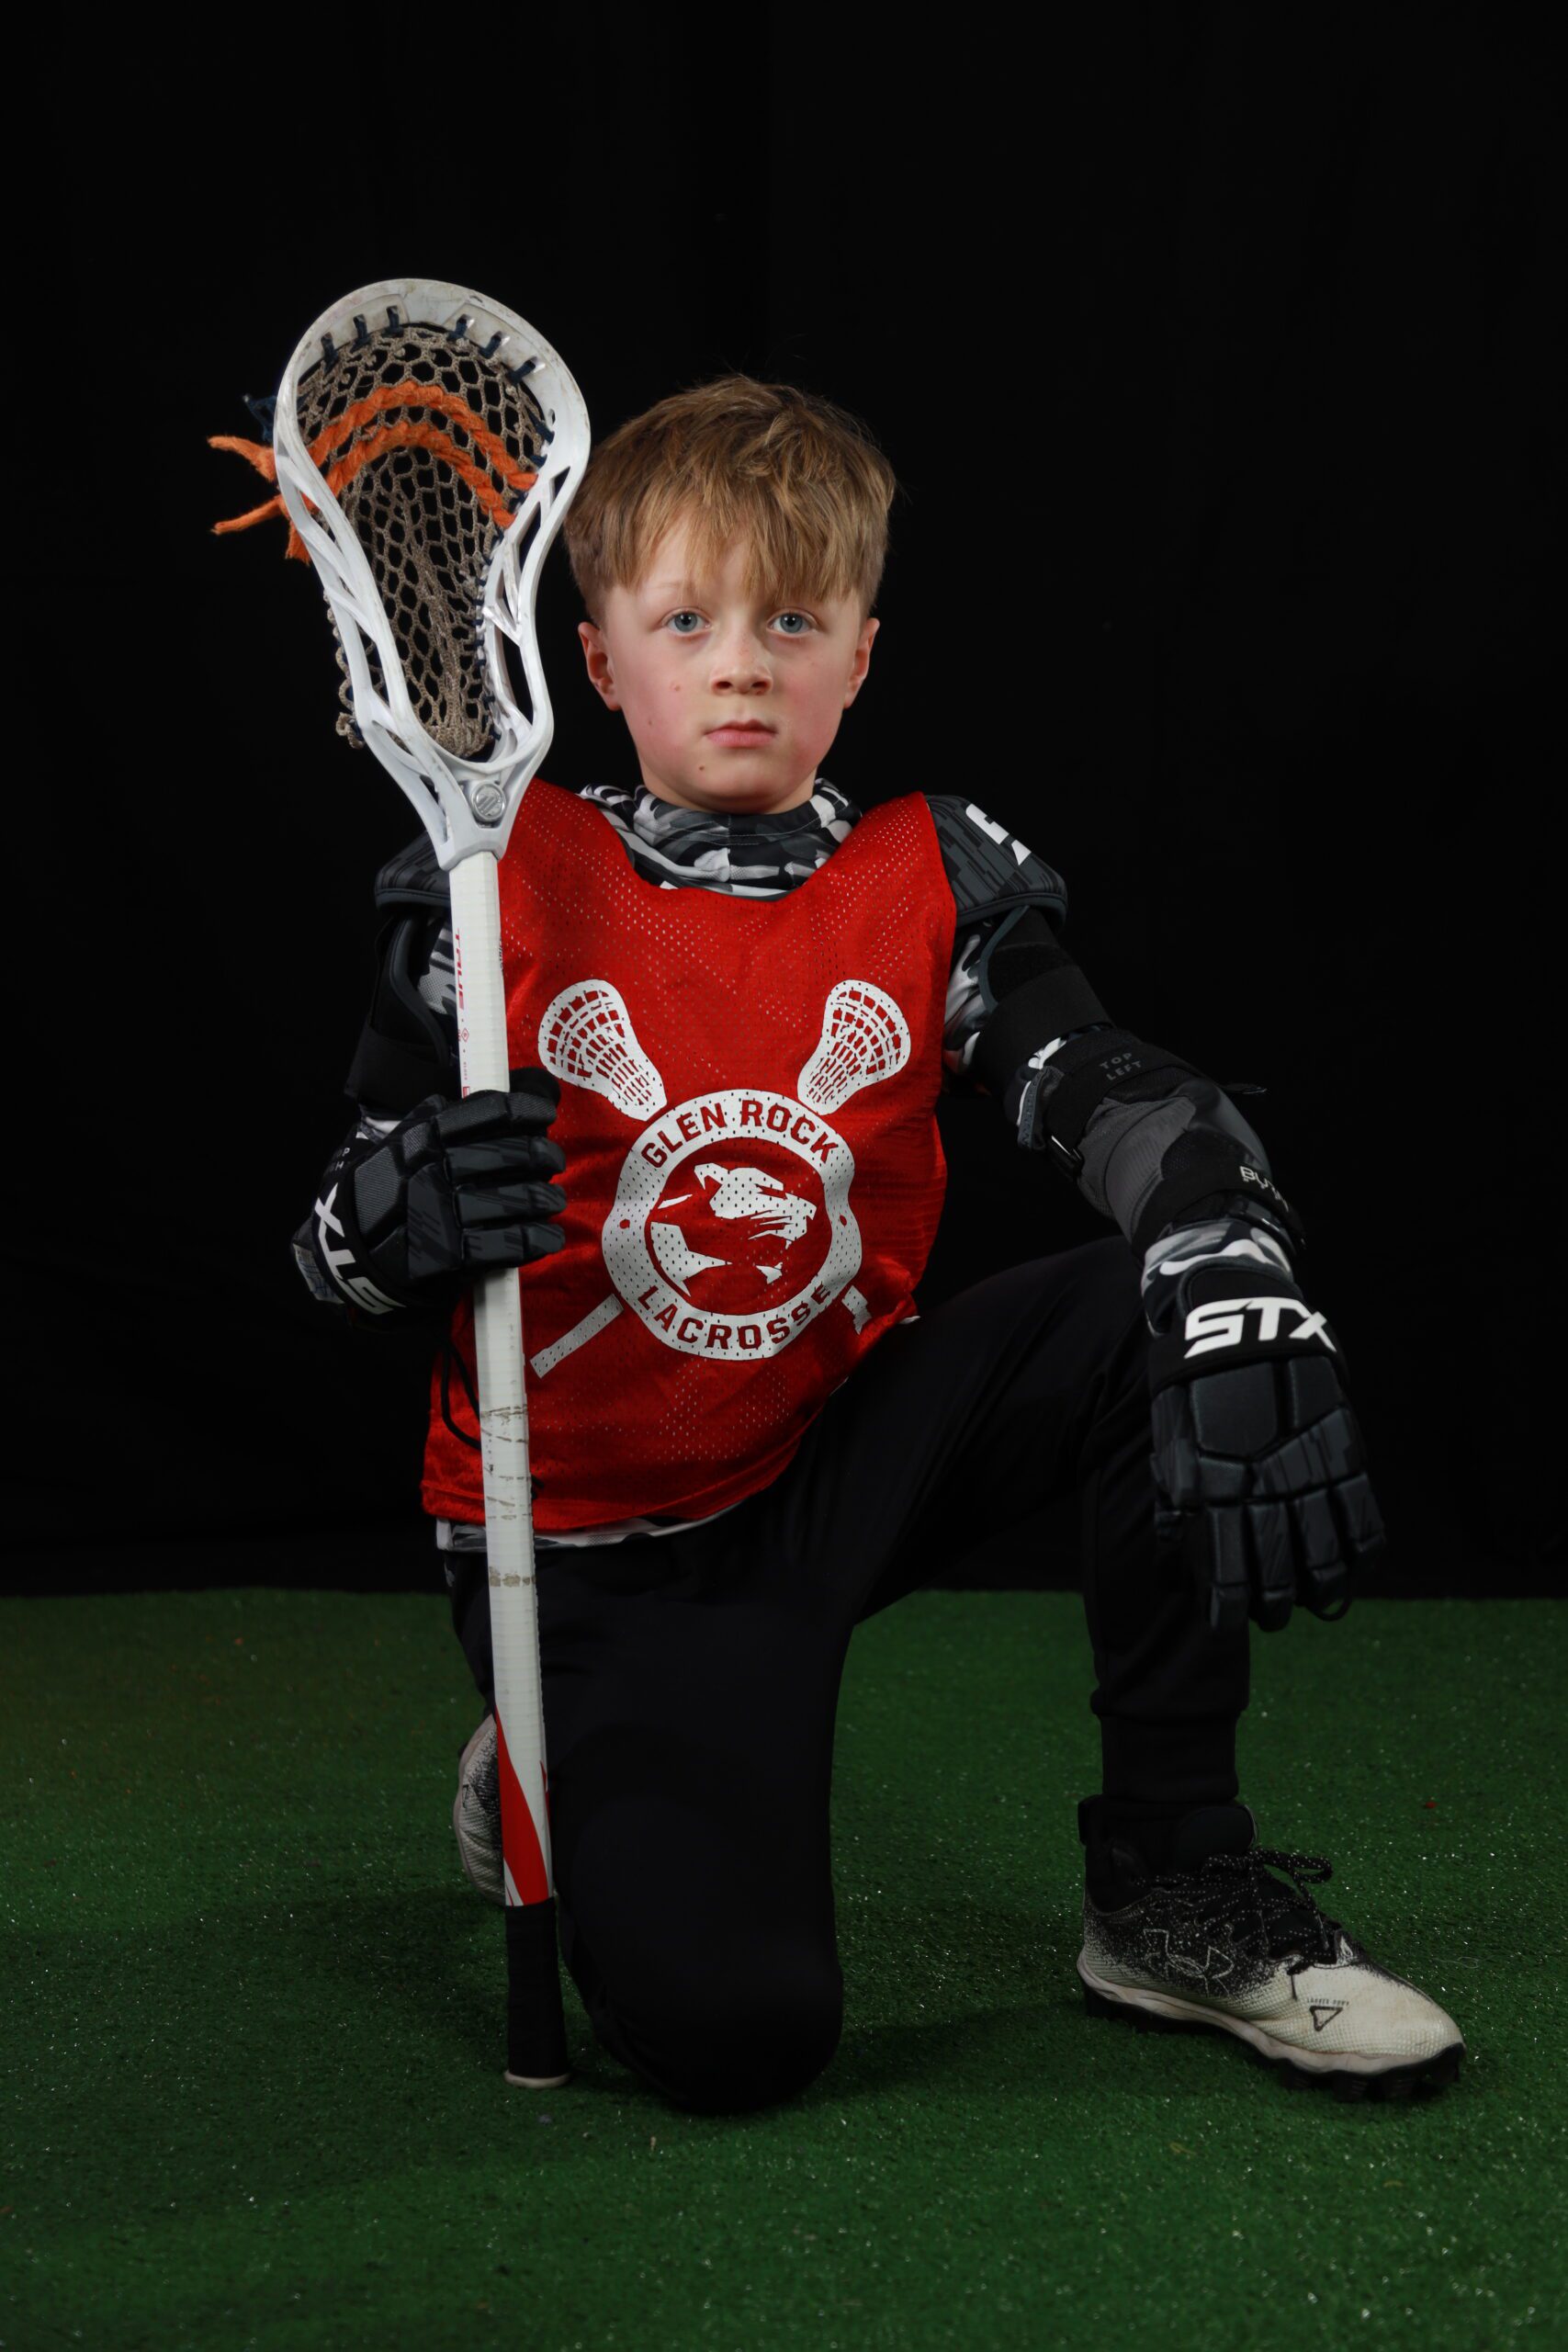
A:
(503, 1403)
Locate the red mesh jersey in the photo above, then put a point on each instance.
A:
(754, 1171)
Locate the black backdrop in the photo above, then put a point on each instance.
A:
(1212, 352)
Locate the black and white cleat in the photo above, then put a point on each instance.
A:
(476, 1812)
(1216, 1941)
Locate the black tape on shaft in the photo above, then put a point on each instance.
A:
(535, 2026)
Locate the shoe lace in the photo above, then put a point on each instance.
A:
(1236, 1894)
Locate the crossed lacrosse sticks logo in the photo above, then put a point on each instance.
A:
(716, 1251)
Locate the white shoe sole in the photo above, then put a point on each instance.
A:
(1350, 2074)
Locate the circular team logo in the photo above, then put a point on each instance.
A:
(732, 1229)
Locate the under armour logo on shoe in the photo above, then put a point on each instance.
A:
(1168, 1960)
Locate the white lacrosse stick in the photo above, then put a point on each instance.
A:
(427, 444)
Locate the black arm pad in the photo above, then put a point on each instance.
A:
(1224, 1174)
(1057, 1000)
(408, 1047)
(389, 1072)
(1090, 1067)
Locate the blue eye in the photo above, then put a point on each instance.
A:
(789, 613)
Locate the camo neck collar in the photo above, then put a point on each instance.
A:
(691, 837)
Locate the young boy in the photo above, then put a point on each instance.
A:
(733, 999)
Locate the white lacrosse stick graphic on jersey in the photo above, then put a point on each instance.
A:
(864, 1039)
(586, 1036)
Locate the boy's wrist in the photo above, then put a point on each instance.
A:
(1240, 1234)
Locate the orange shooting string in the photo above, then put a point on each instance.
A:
(392, 436)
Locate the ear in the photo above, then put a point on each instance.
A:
(596, 653)
(861, 661)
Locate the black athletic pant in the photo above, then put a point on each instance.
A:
(691, 1681)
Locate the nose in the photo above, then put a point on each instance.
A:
(740, 660)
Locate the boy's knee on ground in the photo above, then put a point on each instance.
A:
(725, 2039)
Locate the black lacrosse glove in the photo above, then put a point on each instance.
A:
(456, 1189)
(1260, 1475)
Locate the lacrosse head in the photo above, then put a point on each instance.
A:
(427, 445)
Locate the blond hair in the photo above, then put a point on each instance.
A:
(801, 481)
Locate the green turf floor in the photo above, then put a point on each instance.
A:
(252, 2015)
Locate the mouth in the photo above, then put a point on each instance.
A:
(740, 735)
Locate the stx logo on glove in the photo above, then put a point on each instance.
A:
(1221, 1323)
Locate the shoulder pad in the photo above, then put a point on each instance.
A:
(413, 878)
(990, 872)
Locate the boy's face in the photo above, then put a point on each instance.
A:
(685, 660)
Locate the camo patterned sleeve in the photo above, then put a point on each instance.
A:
(1012, 906)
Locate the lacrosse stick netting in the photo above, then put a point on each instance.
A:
(426, 444)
